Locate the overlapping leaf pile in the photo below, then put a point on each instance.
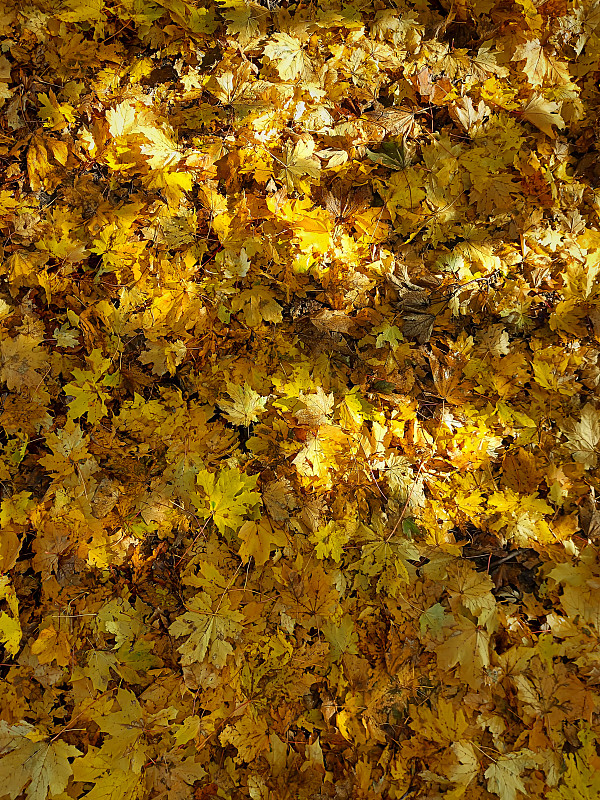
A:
(299, 364)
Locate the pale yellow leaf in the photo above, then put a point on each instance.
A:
(543, 114)
(245, 407)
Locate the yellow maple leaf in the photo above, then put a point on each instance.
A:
(298, 162)
(568, 316)
(313, 228)
(317, 410)
(543, 114)
(52, 645)
(5, 79)
(226, 499)
(581, 780)
(10, 627)
(42, 767)
(466, 769)
(21, 358)
(443, 723)
(164, 356)
(473, 590)
(540, 66)
(207, 630)
(121, 119)
(250, 737)
(129, 118)
(504, 774)
(583, 436)
(258, 538)
(56, 115)
(258, 305)
(245, 405)
(521, 517)
(38, 167)
(288, 54)
(468, 647)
